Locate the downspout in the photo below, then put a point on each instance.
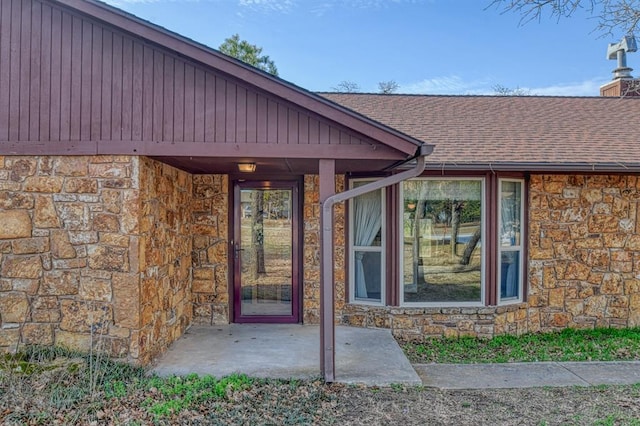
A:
(327, 312)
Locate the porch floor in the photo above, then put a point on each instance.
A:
(363, 356)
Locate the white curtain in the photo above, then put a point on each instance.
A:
(507, 212)
(367, 222)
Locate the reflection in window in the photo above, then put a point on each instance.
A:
(510, 243)
(366, 241)
(442, 251)
(509, 274)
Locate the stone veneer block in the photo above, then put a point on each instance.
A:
(14, 307)
(43, 184)
(85, 317)
(126, 300)
(38, 334)
(14, 224)
(21, 267)
(44, 213)
(74, 341)
(61, 248)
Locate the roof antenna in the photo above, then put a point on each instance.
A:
(619, 51)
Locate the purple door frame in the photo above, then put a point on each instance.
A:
(296, 256)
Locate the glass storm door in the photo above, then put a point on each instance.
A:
(265, 252)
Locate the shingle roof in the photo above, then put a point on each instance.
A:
(509, 132)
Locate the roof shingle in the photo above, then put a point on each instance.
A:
(511, 132)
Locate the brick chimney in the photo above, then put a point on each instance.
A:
(621, 87)
(623, 83)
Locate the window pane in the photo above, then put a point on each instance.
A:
(442, 251)
(509, 274)
(368, 275)
(367, 218)
(366, 243)
(510, 202)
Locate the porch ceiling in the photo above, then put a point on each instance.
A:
(269, 166)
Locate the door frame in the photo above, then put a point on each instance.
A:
(296, 249)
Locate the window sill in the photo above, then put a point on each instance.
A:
(366, 302)
(442, 305)
(509, 302)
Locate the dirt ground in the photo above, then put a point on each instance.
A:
(313, 402)
(538, 406)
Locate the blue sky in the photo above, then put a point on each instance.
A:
(426, 46)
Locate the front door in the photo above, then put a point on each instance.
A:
(265, 246)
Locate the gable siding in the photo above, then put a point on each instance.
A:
(65, 77)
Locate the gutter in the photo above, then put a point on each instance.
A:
(533, 167)
(327, 311)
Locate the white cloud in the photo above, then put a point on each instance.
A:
(319, 8)
(281, 6)
(122, 2)
(579, 88)
(447, 85)
(456, 85)
(284, 6)
(269, 5)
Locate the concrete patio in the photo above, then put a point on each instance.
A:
(363, 356)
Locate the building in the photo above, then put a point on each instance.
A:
(148, 183)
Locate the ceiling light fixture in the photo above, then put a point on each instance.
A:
(247, 167)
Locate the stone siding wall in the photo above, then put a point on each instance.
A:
(210, 249)
(420, 323)
(584, 267)
(95, 254)
(69, 252)
(584, 251)
(312, 249)
(165, 305)
(123, 253)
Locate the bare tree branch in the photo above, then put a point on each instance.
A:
(614, 16)
(346, 86)
(388, 87)
(500, 90)
(621, 14)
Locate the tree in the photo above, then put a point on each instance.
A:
(612, 15)
(346, 86)
(501, 90)
(456, 208)
(257, 233)
(387, 87)
(470, 247)
(252, 55)
(248, 53)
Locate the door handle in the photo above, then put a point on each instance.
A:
(237, 250)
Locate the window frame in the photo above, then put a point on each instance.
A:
(520, 248)
(382, 249)
(392, 294)
(483, 256)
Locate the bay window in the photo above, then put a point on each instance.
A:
(443, 241)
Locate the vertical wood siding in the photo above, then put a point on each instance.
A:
(65, 77)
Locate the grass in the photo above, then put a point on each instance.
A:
(182, 393)
(56, 386)
(602, 344)
(45, 385)
(617, 419)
